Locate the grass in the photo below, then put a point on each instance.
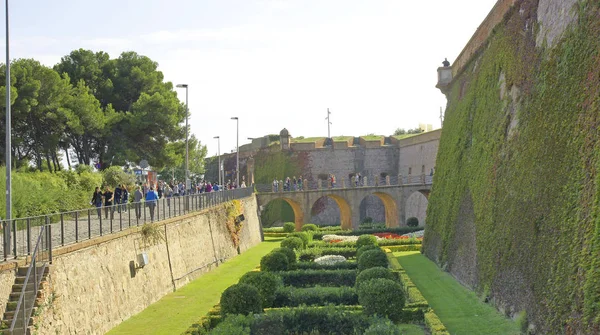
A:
(458, 308)
(307, 140)
(342, 138)
(177, 311)
(399, 137)
(411, 329)
(372, 137)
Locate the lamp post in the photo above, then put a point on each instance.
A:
(8, 153)
(187, 154)
(237, 152)
(219, 154)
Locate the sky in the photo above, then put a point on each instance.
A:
(271, 63)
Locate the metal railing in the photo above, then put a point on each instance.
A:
(76, 226)
(42, 255)
(368, 181)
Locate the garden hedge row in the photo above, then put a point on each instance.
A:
(315, 296)
(348, 265)
(400, 231)
(304, 278)
(408, 247)
(312, 253)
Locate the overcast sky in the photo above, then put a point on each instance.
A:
(272, 63)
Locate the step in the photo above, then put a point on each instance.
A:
(15, 296)
(22, 271)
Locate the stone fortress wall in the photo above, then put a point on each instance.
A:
(93, 285)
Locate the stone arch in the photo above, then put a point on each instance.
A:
(345, 210)
(416, 206)
(296, 207)
(391, 209)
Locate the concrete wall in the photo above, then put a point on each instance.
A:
(418, 153)
(93, 288)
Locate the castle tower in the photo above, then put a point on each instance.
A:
(284, 139)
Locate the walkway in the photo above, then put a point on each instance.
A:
(177, 311)
(459, 308)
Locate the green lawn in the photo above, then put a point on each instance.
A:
(399, 137)
(342, 138)
(177, 311)
(372, 137)
(459, 308)
(307, 140)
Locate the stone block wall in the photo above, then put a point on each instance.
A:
(93, 287)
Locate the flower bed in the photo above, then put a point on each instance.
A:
(330, 259)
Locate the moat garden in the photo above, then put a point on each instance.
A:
(324, 280)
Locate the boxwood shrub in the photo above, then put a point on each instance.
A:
(275, 261)
(289, 253)
(371, 259)
(364, 248)
(304, 278)
(267, 284)
(399, 231)
(312, 253)
(383, 297)
(292, 242)
(289, 227)
(366, 240)
(347, 265)
(306, 237)
(374, 273)
(315, 296)
(309, 227)
(241, 299)
(383, 327)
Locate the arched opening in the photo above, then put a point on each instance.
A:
(331, 210)
(416, 206)
(282, 210)
(391, 210)
(381, 207)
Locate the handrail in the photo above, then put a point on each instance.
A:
(22, 299)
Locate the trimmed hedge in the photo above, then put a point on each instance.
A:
(383, 297)
(315, 266)
(267, 283)
(274, 261)
(309, 227)
(407, 247)
(315, 296)
(364, 248)
(399, 231)
(434, 324)
(312, 253)
(289, 227)
(304, 278)
(241, 299)
(305, 236)
(383, 327)
(289, 253)
(374, 273)
(371, 259)
(366, 239)
(293, 243)
(268, 234)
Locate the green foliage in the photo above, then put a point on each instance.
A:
(366, 240)
(522, 322)
(305, 278)
(384, 327)
(305, 236)
(315, 296)
(289, 253)
(293, 243)
(382, 297)
(374, 273)
(310, 227)
(399, 231)
(275, 211)
(364, 248)
(277, 164)
(434, 324)
(367, 220)
(115, 175)
(234, 325)
(289, 227)
(412, 222)
(267, 283)
(276, 261)
(371, 259)
(312, 253)
(241, 299)
(316, 266)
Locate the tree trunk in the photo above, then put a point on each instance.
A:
(48, 162)
(68, 160)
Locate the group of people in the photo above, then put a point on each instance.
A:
(292, 184)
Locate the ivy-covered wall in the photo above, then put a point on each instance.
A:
(514, 209)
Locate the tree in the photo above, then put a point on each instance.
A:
(401, 131)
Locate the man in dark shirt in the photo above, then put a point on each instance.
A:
(108, 201)
(117, 196)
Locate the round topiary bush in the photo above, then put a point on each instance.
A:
(412, 222)
(266, 283)
(294, 243)
(372, 258)
(383, 297)
(366, 240)
(374, 273)
(241, 299)
(289, 253)
(364, 248)
(289, 227)
(310, 227)
(306, 237)
(275, 261)
(383, 327)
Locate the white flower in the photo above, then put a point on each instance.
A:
(330, 259)
(416, 234)
(328, 238)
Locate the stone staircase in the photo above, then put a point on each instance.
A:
(11, 305)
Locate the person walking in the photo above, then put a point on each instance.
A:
(137, 202)
(124, 198)
(117, 196)
(108, 201)
(97, 201)
(151, 199)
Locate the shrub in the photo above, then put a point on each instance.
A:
(412, 222)
(310, 227)
(400, 231)
(267, 283)
(306, 237)
(383, 297)
(364, 248)
(330, 259)
(289, 253)
(293, 243)
(383, 327)
(240, 299)
(275, 261)
(289, 227)
(234, 325)
(366, 240)
(315, 266)
(367, 219)
(304, 278)
(434, 324)
(315, 296)
(371, 259)
(312, 253)
(374, 273)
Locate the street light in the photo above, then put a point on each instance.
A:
(187, 154)
(219, 153)
(8, 154)
(237, 152)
